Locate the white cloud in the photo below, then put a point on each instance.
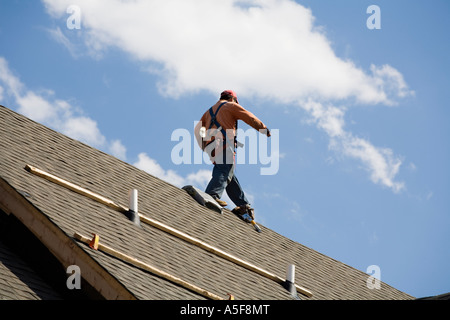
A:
(199, 178)
(328, 118)
(381, 163)
(151, 166)
(1, 93)
(58, 114)
(36, 107)
(391, 81)
(272, 47)
(265, 48)
(10, 82)
(118, 150)
(60, 37)
(83, 129)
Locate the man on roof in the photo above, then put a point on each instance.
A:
(216, 135)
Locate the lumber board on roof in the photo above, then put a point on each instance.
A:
(164, 228)
(75, 188)
(60, 245)
(220, 253)
(150, 268)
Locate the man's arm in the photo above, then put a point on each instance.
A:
(249, 118)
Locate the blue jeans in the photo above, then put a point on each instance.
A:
(223, 178)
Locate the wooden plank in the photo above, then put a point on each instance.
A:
(149, 268)
(165, 228)
(61, 246)
(75, 188)
(219, 252)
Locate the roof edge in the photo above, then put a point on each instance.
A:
(63, 247)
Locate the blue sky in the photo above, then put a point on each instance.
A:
(362, 113)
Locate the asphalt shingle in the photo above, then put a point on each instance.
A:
(18, 281)
(27, 142)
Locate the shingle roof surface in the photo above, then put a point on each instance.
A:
(24, 141)
(18, 281)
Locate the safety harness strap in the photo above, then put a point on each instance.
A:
(225, 139)
(214, 119)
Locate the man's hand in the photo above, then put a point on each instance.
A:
(265, 131)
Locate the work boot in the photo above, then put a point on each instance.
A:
(221, 202)
(244, 212)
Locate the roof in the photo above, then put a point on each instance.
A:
(53, 214)
(18, 281)
(444, 296)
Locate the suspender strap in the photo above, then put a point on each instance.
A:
(218, 125)
(215, 122)
(213, 116)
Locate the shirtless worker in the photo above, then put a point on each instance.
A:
(216, 134)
